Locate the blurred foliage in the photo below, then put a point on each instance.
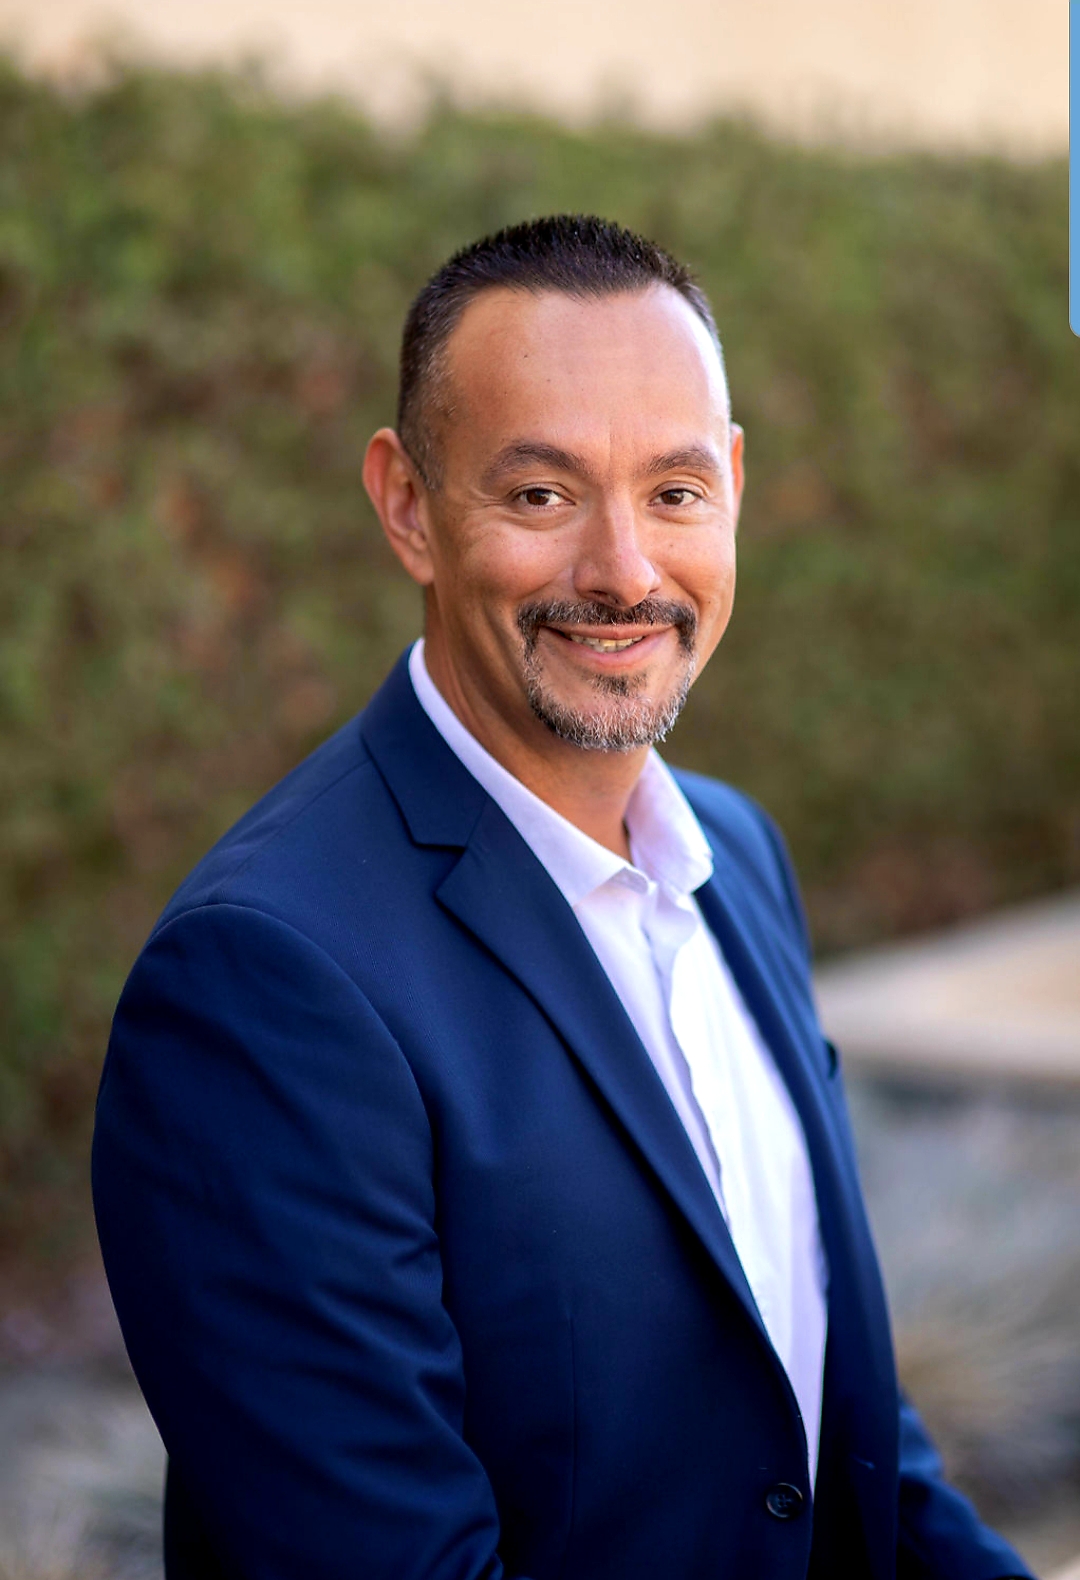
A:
(201, 290)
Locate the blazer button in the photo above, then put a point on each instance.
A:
(783, 1501)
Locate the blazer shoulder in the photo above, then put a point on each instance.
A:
(741, 830)
(729, 813)
(301, 824)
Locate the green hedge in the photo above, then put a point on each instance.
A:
(200, 296)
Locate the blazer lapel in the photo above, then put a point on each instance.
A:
(788, 1030)
(745, 946)
(501, 893)
(860, 1392)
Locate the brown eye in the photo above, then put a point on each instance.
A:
(538, 498)
(677, 496)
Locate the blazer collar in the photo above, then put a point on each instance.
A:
(437, 796)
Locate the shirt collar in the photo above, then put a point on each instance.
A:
(666, 839)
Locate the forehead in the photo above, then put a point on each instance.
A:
(638, 362)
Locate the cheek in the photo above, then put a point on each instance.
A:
(506, 569)
(467, 577)
(713, 589)
(710, 578)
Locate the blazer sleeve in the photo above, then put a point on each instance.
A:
(262, 1175)
(940, 1535)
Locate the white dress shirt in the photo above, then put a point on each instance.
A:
(665, 965)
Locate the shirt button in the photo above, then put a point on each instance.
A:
(783, 1501)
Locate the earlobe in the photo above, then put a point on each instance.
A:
(398, 494)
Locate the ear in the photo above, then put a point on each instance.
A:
(400, 499)
(738, 474)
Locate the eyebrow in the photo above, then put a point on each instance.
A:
(694, 457)
(524, 451)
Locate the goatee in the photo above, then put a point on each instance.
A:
(622, 721)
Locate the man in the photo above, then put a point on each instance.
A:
(473, 1179)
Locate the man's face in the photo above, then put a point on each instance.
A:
(581, 540)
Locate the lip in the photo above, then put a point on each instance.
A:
(648, 639)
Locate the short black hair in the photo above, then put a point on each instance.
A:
(576, 254)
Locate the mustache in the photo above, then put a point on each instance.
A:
(565, 612)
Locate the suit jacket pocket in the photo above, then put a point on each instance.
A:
(519, 1420)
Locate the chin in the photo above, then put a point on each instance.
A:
(624, 722)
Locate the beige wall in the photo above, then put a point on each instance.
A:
(938, 71)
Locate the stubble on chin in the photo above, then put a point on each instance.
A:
(622, 720)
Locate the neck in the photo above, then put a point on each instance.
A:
(591, 789)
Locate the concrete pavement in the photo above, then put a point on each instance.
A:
(997, 999)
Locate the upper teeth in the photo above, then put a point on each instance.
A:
(604, 644)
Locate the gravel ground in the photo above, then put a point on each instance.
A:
(975, 1202)
(976, 1206)
(80, 1489)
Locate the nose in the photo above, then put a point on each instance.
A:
(612, 565)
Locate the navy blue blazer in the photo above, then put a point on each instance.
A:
(414, 1261)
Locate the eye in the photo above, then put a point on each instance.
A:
(676, 497)
(538, 498)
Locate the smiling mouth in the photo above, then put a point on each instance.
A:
(602, 629)
(605, 644)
